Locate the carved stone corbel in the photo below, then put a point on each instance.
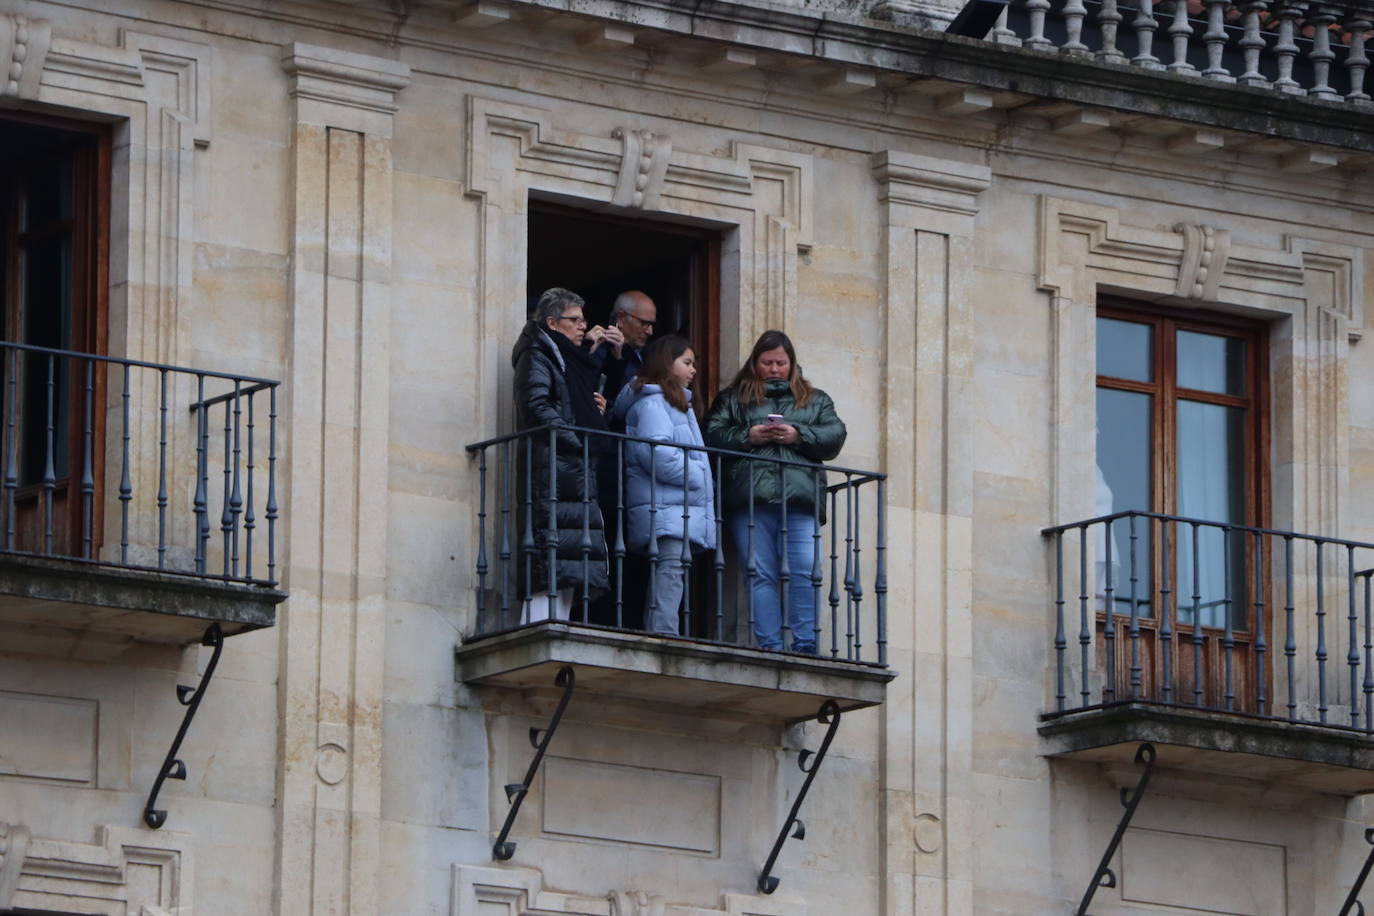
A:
(636, 903)
(14, 846)
(1205, 250)
(24, 44)
(643, 163)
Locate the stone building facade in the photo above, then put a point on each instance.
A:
(300, 238)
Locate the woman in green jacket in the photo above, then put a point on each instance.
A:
(773, 509)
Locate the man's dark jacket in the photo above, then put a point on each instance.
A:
(542, 399)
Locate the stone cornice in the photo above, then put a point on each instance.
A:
(343, 78)
(939, 184)
(850, 41)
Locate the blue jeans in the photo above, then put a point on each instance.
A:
(768, 548)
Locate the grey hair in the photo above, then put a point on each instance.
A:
(625, 302)
(553, 303)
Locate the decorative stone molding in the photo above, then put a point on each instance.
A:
(762, 197)
(24, 44)
(14, 847)
(1205, 250)
(120, 872)
(929, 207)
(643, 163)
(347, 85)
(482, 891)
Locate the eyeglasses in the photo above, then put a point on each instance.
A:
(578, 320)
(647, 324)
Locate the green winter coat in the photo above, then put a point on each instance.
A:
(822, 435)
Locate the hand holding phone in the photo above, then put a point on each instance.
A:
(774, 419)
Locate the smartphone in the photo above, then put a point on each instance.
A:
(774, 418)
(601, 384)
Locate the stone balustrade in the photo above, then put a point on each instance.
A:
(1310, 49)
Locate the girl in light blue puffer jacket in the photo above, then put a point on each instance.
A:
(662, 483)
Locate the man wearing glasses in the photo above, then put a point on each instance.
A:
(620, 348)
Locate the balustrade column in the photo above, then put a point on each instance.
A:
(1180, 32)
(1321, 55)
(1145, 25)
(1108, 17)
(1356, 60)
(1215, 37)
(1286, 49)
(1253, 43)
(1074, 12)
(1037, 40)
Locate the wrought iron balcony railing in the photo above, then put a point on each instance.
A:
(1213, 616)
(123, 463)
(1298, 48)
(518, 534)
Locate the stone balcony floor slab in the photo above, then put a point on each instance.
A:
(124, 604)
(680, 672)
(1323, 758)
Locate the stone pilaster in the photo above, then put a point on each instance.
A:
(329, 799)
(928, 216)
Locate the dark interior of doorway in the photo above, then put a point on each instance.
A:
(598, 256)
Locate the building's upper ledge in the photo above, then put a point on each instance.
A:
(1027, 62)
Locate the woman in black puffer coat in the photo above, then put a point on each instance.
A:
(555, 384)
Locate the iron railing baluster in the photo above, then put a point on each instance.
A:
(162, 472)
(250, 519)
(620, 533)
(88, 467)
(834, 596)
(1109, 627)
(236, 493)
(849, 577)
(817, 569)
(271, 506)
(880, 578)
(1368, 659)
(858, 590)
(1197, 618)
(503, 556)
(651, 592)
(585, 541)
(1261, 645)
(1352, 654)
(1085, 632)
(1228, 640)
(1134, 630)
(1290, 642)
(784, 547)
(551, 545)
(482, 541)
(718, 511)
(11, 446)
(1166, 616)
(200, 501)
(685, 558)
(1321, 635)
(1061, 643)
(49, 467)
(126, 487)
(226, 516)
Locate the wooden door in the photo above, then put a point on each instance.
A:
(53, 208)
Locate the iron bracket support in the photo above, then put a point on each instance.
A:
(516, 791)
(829, 715)
(1130, 799)
(172, 766)
(1351, 900)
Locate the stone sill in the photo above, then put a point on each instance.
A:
(123, 604)
(1321, 758)
(679, 672)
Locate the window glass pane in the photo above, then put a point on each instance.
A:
(1124, 460)
(1125, 349)
(1211, 486)
(1210, 362)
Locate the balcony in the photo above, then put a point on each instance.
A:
(713, 664)
(1238, 650)
(138, 501)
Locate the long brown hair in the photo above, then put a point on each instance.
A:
(659, 357)
(749, 387)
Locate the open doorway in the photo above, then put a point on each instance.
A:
(598, 256)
